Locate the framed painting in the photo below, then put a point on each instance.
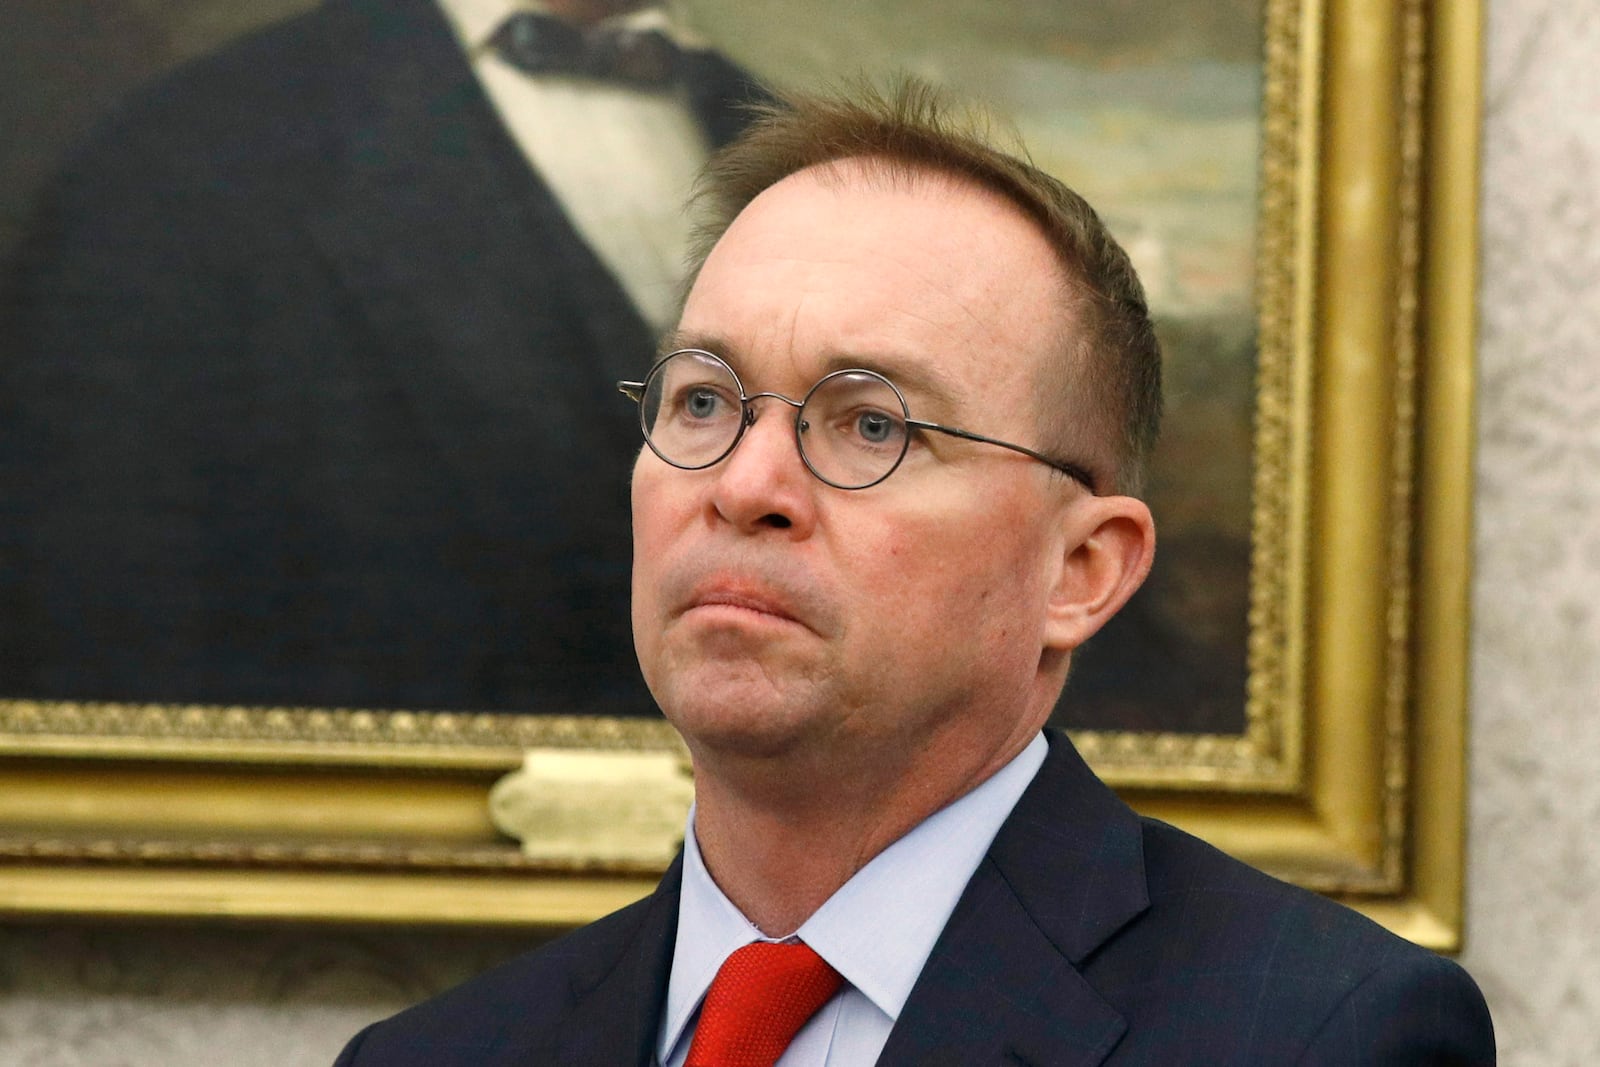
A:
(282, 601)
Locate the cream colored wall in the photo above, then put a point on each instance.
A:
(1534, 867)
(110, 996)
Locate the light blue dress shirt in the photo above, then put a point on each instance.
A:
(877, 930)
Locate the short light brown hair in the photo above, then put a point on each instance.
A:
(1112, 359)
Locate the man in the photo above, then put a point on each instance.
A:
(858, 602)
(308, 361)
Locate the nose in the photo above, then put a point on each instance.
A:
(764, 484)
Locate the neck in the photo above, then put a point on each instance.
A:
(778, 853)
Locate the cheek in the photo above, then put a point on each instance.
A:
(929, 576)
(653, 522)
(983, 581)
(656, 505)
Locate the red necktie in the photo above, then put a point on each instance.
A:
(762, 995)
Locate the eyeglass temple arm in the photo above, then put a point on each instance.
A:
(632, 390)
(1071, 470)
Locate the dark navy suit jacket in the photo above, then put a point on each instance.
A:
(307, 394)
(1088, 935)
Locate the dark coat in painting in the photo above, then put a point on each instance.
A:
(307, 394)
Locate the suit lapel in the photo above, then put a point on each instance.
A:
(434, 180)
(503, 329)
(493, 318)
(719, 95)
(617, 997)
(1065, 873)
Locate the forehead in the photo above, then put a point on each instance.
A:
(915, 275)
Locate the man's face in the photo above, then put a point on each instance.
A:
(773, 613)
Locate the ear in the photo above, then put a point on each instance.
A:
(1109, 544)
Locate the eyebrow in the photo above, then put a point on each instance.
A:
(676, 340)
(917, 379)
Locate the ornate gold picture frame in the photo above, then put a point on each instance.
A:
(1347, 776)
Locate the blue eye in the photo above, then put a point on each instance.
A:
(875, 427)
(701, 403)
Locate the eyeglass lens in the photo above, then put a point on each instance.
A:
(851, 426)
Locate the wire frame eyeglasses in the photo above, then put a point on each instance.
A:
(852, 427)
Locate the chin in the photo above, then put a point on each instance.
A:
(737, 720)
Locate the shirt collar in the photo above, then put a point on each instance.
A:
(902, 898)
(475, 21)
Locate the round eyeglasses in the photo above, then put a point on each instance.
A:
(852, 427)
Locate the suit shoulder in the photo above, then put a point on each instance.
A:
(282, 104)
(1240, 903)
(1267, 972)
(509, 1007)
(1413, 1009)
(211, 108)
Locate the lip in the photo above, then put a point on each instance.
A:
(723, 585)
(742, 596)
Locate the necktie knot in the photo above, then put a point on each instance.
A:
(536, 43)
(761, 997)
